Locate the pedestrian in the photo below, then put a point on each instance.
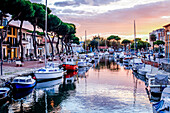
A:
(149, 57)
(154, 57)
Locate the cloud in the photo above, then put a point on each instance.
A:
(107, 17)
(76, 3)
(166, 17)
(36, 1)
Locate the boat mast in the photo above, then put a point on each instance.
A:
(134, 36)
(85, 41)
(98, 42)
(46, 33)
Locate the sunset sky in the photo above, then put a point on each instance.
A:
(107, 17)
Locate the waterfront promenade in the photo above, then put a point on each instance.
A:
(10, 70)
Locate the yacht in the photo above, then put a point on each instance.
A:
(51, 71)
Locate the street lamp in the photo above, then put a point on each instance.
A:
(4, 23)
(146, 45)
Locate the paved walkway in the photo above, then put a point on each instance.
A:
(10, 70)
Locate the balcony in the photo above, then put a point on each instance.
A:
(5, 43)
(41, 44)
(13, 45)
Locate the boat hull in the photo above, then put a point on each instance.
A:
(19, 86)
(48, 76)
(70, 67)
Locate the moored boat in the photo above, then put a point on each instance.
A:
(70, 64)
(70, 77)
(82, 63)
(4, 94)
(51, 71)
(21, 83)
(158, 83)
(163, 105)
(127, 59)
(146, 69)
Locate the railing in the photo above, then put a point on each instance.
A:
(13, 45)
(41, 44)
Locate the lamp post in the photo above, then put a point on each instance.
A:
(3, 23)
(146, 45)
(1, 50)
(159, 53)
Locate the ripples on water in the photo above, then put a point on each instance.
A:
(106, 88)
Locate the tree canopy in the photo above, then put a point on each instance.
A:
(159, 42)
(140, 44)
(152, 37)
(125, 41)
(35, 13)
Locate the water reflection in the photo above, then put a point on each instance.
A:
(107, 64)
(107, 87)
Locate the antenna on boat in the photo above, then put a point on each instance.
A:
(85, 41)
(45, 33)
(134, 36)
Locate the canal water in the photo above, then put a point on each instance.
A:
(105, 88)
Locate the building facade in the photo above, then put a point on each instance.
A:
(12, 50)
(160, 35)
(11, 45)
(167, 38)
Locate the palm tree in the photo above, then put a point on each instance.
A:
(117, 39)
(125, 42)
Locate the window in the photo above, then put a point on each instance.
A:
(15, 55)
(4, 52)
(24, 36)
(13, 31)
(16, 80)
(22, 80)
(9, 40)
(9, 31)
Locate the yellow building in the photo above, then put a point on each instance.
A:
(10, 44)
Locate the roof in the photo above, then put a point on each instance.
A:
(103, 47)
(166, 25)
(17, 26)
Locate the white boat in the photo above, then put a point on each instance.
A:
(158, 83)
(51, 71)
(136, 64)
(146, 69)
(91, 55)
(4, 94)
(96, 56)
(20, 83)
(154, 71)
(89, 61)
(121, 56)
(127, 59)
(82, 63)
(163, 105)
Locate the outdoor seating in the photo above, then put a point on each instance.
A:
(50, 59)
(19, 63)
(9, 61)
(35, 59)
(40, 61)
